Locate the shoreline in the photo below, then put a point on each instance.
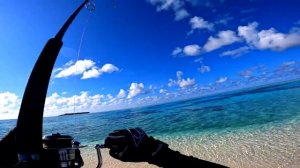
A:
(267, 147)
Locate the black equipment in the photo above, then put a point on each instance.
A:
(61, 151)
(55, 150)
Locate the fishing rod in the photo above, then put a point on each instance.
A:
(33, 151)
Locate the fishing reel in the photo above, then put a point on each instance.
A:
(61, 151)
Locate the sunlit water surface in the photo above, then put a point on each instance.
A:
(249, 128)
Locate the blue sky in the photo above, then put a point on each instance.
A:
(142, 52)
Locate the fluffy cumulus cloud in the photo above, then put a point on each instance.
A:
(181, 14)
(181, 82)
(191, 50)
(109, 68)
(71, 69)
(57, 104)
(92, 73)
(268, 39)
(162, 91)
(9, 105)
(199, 23)
(176, 5)
(249, 35)
(121, 94)
(172, 82)
(204, 69)
(221, 80)
(223, 38)
(86, 68)
(179, 75)
(186, 82)
(135, 89)
(264, 39)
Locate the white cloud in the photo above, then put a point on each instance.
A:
(199, 60)
(109, 68)
(249, 33)
(221, 80)
(166, 4)
(86, 68)
(288, 68)
(71, 69)
(181, 82)
(179, 75)
(186, 82)
(92, 73)
(162, 91)
(268, 39)
(224, 20)
(181, 14)
(237, 52)
(8, 99)
(253, 71)
(9, 105)
(135, 89)
(288, 63)
(246, 73)
(109, 96)
(57, 104)
(176, 5)
(172, 83)
(191, 50)
(262, 40)
(176, 51)
(204, 69)
(121, 94)
(199, 23)
(223, 38)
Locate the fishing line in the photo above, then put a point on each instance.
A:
(90, 6)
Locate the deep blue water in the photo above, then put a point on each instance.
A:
(253, 108)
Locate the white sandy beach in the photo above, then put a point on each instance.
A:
(277, 147)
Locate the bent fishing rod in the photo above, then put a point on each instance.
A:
(55, 150)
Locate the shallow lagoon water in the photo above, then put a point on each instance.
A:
(249, 128)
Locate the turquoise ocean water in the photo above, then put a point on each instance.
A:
(257, 127)
(245, 109)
